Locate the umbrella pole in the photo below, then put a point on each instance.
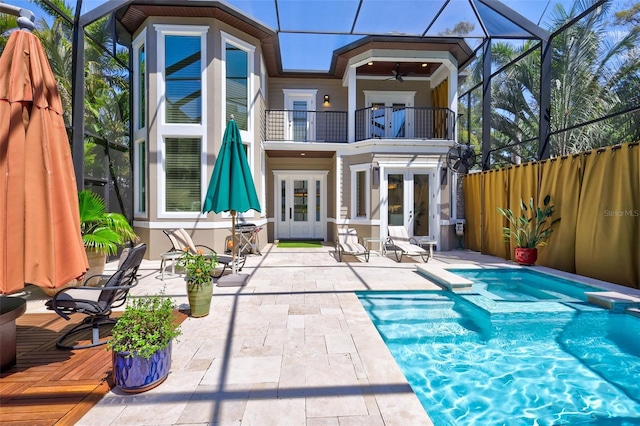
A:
(234, 268)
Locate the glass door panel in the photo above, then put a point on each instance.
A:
(421, 205)
(396, 199)
(398, 120)
(300, 201)
(378, 120)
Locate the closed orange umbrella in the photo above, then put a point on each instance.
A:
(40, 240)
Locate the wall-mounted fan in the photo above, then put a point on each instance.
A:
(461, 158)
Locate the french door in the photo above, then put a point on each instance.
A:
(300, 205)
(390, 114)
(411, 201)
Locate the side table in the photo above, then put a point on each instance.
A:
(172, 256)
(381, 244)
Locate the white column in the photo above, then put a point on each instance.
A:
(351, 89)
(453, 96)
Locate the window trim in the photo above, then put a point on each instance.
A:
(179, 130)
(139, 42)
(354, 196)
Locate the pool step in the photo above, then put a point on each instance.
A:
(447, 279)
(415, 313)
(614, 301)
(423, 330)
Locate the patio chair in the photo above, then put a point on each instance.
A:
(403, 244)
(96, 298)
(348, 244)
(180, 239)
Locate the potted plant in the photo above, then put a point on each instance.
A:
(530, 229)
(102, 231)
(198, 268)
(141, 343)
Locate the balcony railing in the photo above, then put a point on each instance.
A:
(370, 123)
(306, 126)
(393, 122)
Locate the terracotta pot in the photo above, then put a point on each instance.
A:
(526, 256)
(136, 374)
(200, 298)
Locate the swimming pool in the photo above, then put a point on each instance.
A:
(497, 357)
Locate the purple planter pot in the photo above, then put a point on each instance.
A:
(136, 374)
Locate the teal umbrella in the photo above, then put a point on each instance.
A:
(231, 188)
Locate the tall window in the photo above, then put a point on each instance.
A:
(142, 88)
(360, 191)
(141, 176)
(182, 124)
(183, 79)
(183, 174)
(237, 85)
(238, 60)
(139, 115)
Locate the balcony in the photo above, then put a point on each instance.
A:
(391, 122)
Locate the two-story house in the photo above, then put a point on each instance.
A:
(362, 145)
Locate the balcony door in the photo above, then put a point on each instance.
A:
(300, 106)
(300, 200)
(389, 117)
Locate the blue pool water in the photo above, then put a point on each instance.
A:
(531, 356)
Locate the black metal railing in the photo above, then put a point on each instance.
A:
(404, 123)
(306, 126)
(370, 123)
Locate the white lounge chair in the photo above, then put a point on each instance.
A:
(403, 244)
(348, 244)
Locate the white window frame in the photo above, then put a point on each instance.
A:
(354, 196)
(180, 130)
(140, 132)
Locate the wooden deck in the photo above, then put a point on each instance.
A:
(49, 386)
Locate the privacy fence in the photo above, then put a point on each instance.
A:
(596, 196)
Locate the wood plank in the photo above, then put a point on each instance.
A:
(51, 386)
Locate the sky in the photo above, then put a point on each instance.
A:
(313, 52)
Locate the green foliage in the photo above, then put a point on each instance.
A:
(102, 231)
(198, 267)
(533, 227)
(146, 326)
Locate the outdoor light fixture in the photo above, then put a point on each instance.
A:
(370, 63)
(424, 65)
(326, 99)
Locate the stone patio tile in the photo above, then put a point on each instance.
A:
(284, 336)
(274, 412)
(295, 321)
(244, 370)
(323, 421)
(209, 404)
(345, 402)
(339, 343)
(316, 324)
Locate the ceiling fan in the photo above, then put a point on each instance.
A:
(396, 73)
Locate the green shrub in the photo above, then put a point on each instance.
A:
(146, 326)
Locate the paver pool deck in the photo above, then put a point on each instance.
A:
(293, 347)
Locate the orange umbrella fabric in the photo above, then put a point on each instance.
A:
(40, 239)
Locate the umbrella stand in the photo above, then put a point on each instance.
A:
(234, 279)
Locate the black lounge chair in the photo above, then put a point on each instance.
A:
(96, 298)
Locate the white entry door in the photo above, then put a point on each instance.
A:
(301, 211)
(300, 115)
(411, 201)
